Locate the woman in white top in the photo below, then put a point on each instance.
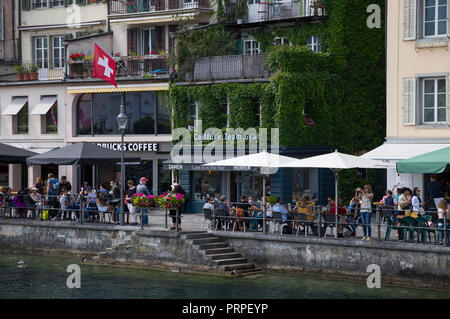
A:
(416, 201)
(365, 199)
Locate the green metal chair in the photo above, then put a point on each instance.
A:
(391, 226)
(423, 229)
(408, 224)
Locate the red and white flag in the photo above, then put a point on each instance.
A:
(104, 66)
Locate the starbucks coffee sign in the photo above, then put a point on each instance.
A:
(131, 147)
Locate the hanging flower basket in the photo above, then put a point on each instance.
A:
(144, 201)
(171, 200)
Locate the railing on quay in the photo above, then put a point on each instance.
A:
(406, 223)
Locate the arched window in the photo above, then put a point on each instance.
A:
(147, 113)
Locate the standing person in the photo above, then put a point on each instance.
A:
(52, 192)
(129, 201)
(177, 189)
(19, 204)
(434, 191)
(416, 202)
(142, 187)
(64, 201)
(39, 185)
(365, 200)
(115, 194)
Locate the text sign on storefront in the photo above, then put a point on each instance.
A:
(131, 147)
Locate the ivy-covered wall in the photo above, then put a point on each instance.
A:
(341, 90)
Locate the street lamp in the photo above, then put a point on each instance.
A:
(122, 123)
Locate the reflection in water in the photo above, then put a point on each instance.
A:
(46, 277)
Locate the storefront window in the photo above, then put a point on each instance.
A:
(51, 120)
(302, 184)
(252, 185)
(164, 178)
(140, 108)
(207, 184)
(135, 172)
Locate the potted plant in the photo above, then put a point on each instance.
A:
(76, 64)
(20, 72)
(88, 59)
(171, 200)
(26, 74)
(34, 72)
(144, 201)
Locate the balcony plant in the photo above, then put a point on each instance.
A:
(20, 71)
(34, 72)
(76, 64)
(26, 74)
(86, 71)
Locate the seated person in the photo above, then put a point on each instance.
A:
(222, 211)
(278, 208)
(306, 207)
(341, 213)
(102, 208)
(243, 207)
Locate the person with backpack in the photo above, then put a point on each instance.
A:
(64, 183)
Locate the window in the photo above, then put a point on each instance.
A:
(280, 41)
(251, 47)
(39, 4)
(58, 52)
(41, 52)
(21, 119)
(51, 120)
(207, 184)
(56, 3)
(193, 114)
(313, 43)
(148, 37)
(434, 17)
(164, 178)
(434, 100)
(96, 113)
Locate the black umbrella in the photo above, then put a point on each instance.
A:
(13, 155)
(80, 154)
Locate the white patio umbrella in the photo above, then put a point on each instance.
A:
(267, 162)
(335, 161)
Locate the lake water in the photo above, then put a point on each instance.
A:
(45, 277)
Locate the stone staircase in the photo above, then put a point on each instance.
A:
(219, 254)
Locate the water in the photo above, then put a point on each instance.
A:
(46, 277)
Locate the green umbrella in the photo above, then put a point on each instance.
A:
(432, 162)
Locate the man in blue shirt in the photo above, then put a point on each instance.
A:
(278, 208)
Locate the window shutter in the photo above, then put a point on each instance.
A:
(175, 4)
(26, 5)
(131, 41)
(409, 101)
(67, 2)
(448, 100)
(409, 19)
(81, 2)
(239, 47)
(448, 18)
(160, 38)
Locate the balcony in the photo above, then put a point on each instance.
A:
(228, 67)
(273, 10)
(130, 67)
(143, 6)
(28, 71)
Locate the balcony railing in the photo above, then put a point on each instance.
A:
(141, 67)
(228, 67)
(28, 71)
(142, 6)
(276, 10)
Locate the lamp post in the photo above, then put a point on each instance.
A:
(122, 122)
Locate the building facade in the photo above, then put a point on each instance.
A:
(418, 85)
(52, 100)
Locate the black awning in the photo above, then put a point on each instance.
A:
(80, 153)
(14, 155)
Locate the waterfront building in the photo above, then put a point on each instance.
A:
(418, 86)
(57, 101)
(230, 89)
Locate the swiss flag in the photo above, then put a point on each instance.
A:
(104, 66)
